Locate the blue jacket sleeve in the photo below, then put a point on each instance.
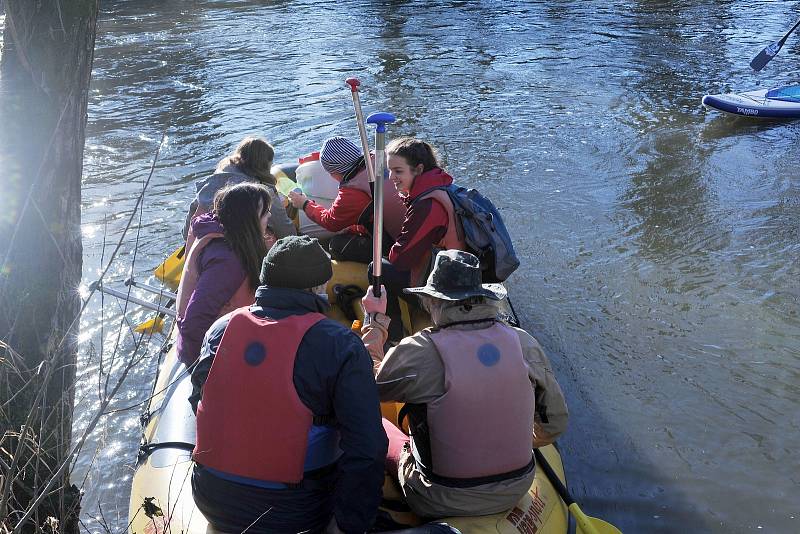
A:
(336, 378)
(202, 366)
(357, 408)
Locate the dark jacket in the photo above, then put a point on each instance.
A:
(333, 378)
(221, 275)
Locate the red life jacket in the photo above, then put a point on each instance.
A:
(453, 237)
(250, 421)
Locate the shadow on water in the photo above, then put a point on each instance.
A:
(685, 222)
(719, 126)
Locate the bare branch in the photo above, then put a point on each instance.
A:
(49, 369)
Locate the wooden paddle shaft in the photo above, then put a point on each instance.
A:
(354, 83)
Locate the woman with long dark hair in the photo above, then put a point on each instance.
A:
(223, 265)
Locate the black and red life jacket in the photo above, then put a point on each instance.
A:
(251, 422)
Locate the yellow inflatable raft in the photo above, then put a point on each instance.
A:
(161, 494)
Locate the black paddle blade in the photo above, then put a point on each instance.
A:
(765, 56)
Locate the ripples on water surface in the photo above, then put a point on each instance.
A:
(660, 243)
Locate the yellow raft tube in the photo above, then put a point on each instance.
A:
(161, 493)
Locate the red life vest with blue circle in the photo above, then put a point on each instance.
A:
(250, 421)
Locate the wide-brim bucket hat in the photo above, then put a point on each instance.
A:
(456, 275)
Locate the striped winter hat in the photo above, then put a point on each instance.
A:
(339, 154)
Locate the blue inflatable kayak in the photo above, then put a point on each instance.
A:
(780, 103)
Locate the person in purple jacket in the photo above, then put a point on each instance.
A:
(222, 268)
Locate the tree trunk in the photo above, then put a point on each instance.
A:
(46, 63)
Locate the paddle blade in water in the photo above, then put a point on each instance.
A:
(171, 269)
(591, 525)
(765, 56)
(151, 326)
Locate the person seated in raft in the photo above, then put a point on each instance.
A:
(250, 162)
(289, 435)
(429, 223)
(479, 395)
(351, 211)
(222, 268)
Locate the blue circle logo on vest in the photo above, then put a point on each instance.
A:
(255, 353)
(488, 354)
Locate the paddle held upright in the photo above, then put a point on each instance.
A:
(380, 120)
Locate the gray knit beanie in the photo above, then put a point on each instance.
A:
(339, 154)
(296, 261)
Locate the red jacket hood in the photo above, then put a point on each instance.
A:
(432, 178)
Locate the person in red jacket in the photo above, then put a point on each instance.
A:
(430, 222)
(351, 211)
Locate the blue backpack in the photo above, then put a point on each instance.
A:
(484, 232)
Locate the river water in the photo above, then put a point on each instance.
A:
(659, 242)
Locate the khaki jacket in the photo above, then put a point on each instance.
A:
(413, 372)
